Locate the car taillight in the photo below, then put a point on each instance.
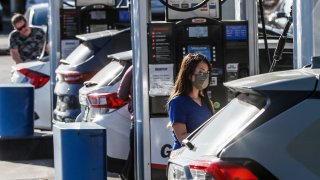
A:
(75, 77)
(220, 171)
(37, 79)
(105, 100)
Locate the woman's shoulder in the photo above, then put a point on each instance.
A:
(179, 99)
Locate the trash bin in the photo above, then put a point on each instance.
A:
(79, 151)
(16, 110)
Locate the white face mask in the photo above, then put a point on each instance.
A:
(201, 81)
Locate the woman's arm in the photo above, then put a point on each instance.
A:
(180, 130)
(125, 84)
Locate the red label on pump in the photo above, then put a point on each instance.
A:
(199, 20)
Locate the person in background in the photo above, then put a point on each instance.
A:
(189, 105)
(26, 43)
(125, 92)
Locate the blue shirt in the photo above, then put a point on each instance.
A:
(182, 109)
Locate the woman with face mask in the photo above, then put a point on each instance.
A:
(189, 104)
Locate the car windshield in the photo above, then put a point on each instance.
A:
(110, 74)
(82, 53)
(227, 123)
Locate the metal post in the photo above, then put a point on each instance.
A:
(140, 17)
(252, 17)
(316, 27)
(54, 40)
(227, 10)
(234, 10)
(240, 9)
(303, 36)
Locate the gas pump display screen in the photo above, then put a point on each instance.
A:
(198, 31)
(236, 32)
(202, 49)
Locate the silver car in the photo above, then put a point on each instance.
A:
(269, 131)
(100, 104)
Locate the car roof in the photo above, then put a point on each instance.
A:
(99, 34)
(38, 6)
(46, 5)
(303, 79)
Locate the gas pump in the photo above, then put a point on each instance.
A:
(101, 15)
(224, 43)
(88, 17)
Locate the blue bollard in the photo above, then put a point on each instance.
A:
(16, 110)
(79, 151)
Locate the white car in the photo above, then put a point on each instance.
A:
(100, 104)
(30, 3)
(37, 74)
(37, 13)
(37, 16)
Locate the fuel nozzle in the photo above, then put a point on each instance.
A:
(290, 17)
(282, 41)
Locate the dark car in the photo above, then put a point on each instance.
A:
(81, 65)
(269, 131)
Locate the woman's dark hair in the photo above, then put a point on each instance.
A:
(183, 84)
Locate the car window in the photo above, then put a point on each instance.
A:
(110, 74)
(83, 52)
(227, 123)
(40, 17)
